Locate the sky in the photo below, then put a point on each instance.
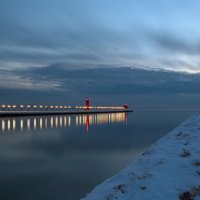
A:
(38, 35)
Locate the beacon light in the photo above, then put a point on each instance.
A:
(87, 103)
(125, 106)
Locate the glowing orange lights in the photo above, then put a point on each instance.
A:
(43, 122)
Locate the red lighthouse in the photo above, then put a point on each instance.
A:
(125, 106)
(87, 104)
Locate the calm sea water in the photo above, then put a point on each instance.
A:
(64, 157)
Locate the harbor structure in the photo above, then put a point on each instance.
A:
(22, 110)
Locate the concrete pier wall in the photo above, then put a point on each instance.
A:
(61, 112)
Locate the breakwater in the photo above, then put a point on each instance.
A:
(26, 110)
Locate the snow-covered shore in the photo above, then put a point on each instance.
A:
(168, 170)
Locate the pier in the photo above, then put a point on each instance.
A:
(27, 110)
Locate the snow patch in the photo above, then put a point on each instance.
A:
(169, 169)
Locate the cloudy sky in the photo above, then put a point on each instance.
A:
(82, 34)
(155, 34)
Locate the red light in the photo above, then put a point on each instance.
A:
(87, 123)
(125, 106)
(87, 103)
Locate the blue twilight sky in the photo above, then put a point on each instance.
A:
(41, 39)
(155, 34)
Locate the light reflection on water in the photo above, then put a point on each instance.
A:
(52, 157)
(45, 122)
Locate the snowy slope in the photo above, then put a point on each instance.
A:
(169, 170)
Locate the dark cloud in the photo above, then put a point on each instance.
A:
(58, 84)
(113, 80)
(176, 44)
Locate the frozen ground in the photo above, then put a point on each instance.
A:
(169, 170)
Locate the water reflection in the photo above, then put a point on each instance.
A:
(66, 160)
(63, 121)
